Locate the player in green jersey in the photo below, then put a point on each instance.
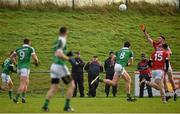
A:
(60, 71)
(123, 57)
(24, 55)
(8, 68)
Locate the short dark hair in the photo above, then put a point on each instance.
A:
(11, 52)
(165, 46)
(95, 56)
(62, 30)
(78, 53)
(26, 41)
(162, 37)
(127, 44)
(111, 52)
(143, 55)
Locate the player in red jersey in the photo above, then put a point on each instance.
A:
(157, 45)
(158, 60)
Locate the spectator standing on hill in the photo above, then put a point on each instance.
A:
(93, 68)
(77, 75)
(109, 69)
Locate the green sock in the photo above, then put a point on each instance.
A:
(23, 95)
(46, 103)
(10, 94)
(100, 80)
(17, 96)
(67, 103)
(129, 95)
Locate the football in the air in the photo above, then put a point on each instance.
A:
(122, 7)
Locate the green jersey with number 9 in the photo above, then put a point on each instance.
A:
(24, 56)
(123, 56)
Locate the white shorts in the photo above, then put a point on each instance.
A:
(158, 74)
(119, 69)
(24, 72)
(5, 78)
(59, 71)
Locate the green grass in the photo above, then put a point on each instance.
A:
(92, 105)
(39, 84)
(92, 33)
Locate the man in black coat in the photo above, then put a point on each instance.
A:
(93, 68)
(77, 75)
(109, 68)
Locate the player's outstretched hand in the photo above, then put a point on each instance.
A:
(143, 27)
(70, 54)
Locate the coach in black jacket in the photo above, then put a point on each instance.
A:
(93, 68)
(77, 75)
(109, 68)
(145, 74)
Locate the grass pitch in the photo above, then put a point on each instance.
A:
(92, 105)
(92, 33)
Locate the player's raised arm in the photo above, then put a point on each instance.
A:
(148, 37)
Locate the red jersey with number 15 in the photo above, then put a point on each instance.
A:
(158, 59)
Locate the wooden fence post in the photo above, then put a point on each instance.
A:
(73, 4)
(179, 5)
(19, 3)
(127, 3)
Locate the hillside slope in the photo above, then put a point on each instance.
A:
(92, 33)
